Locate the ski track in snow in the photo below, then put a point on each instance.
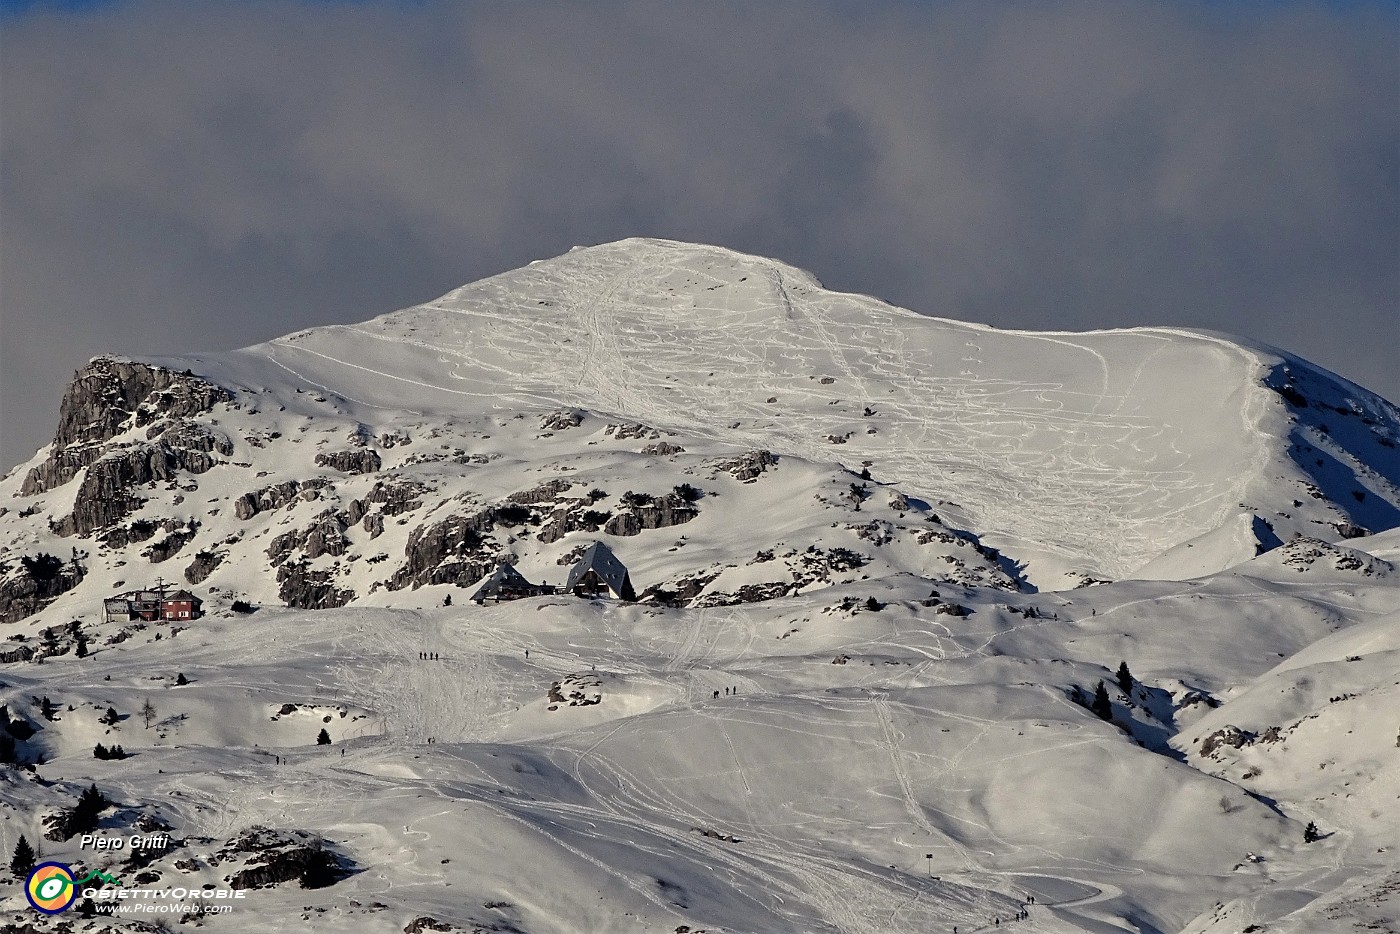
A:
(1028, 451)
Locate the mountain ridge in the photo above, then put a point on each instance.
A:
(1033, 424)
(855, 693)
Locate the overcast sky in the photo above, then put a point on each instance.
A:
(184, 176)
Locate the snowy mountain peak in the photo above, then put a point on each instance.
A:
(1083, 454)
(854, 691)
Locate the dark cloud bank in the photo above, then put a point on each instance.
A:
(190, 176)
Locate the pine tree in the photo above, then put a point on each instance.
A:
(100, 752)
(323, 738)
(148, 712)
(109, 718)
(1310, 833)
(84, 815)
(23, 859)
(46, 708)
(80, 648)
(1101, 706)
(1125, 679)
(180, 679)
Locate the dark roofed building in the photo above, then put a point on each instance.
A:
(599, 572)
(506, 583)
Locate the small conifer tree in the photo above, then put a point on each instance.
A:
(23, 858)
(323, 738)
(1125, 679)
(1310, 833)
(1101, 705)
(90, 805)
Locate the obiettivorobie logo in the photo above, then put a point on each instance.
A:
(52, 887)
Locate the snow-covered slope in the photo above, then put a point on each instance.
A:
(855, 693)
(1088, 452)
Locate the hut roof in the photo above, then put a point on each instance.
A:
(600, 560)
(183, 595)
(504, 577)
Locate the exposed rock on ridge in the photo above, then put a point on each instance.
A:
(108, 397)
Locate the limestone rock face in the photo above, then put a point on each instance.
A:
(204, 564)
(275, 497)
(453, 551)
(192, 436)
(365, 460)
(108, 397)
(105, 495)
(307, 589)
(33, 585)
(662, 512)
(324, 536)
(747, 467)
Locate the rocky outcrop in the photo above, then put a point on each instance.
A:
(561, 420)
(658, 512)
(274, 857)
(628, 430)
(192, 436)
(749, 466)
(108, 397)
(58, 468)
(1228, 735)
(275, 497)
(574, 516)
(392, 496)
(34, 583)
(364, 460)
(105, 494)
(662, 449)
(307, 589)
(204, 564)
(167, 547)
(679, 592)
(121, 536)
(324, 536)
(546, 492)
(748, 593)
(20, 653)
(453, 551)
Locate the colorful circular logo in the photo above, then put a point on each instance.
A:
(50, 888)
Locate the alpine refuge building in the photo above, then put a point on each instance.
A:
(506, 583)
(599, 573)
(181, 605)
(152, 605)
